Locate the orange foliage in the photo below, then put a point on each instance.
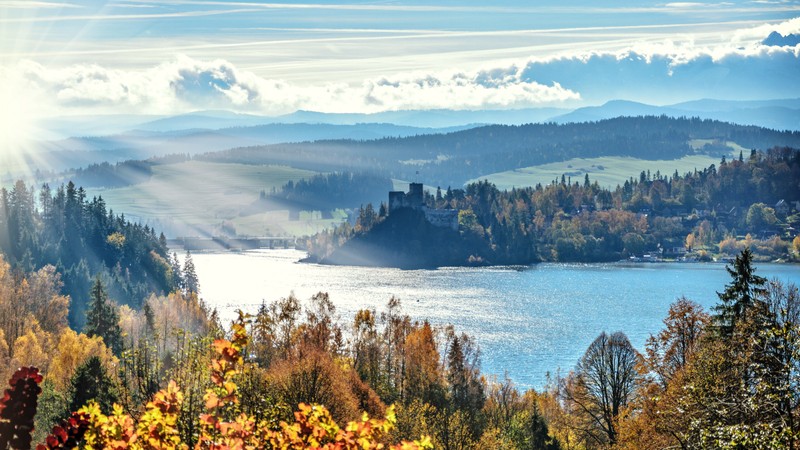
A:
(313, 427)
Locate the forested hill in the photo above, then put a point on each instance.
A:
(453, 158)
(82, 240)
(745, 202)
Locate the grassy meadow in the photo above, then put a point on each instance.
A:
(608, 171)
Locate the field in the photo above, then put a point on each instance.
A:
(193, 197)
(609, 171)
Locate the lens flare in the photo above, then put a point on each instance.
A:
(18, 129)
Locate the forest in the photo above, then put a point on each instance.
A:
(452, 159)
(717, 210)
(170, 375)
(107, 343)
(108, 175)
(324, 192)
(81, 240)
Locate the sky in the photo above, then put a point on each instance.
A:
(159, 57)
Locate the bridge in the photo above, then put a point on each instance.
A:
(218, 243)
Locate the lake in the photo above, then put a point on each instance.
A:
(528, 321)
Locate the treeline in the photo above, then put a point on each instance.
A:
(454, 158)
(330, 191)
(719, 208)
(287, 353)
(722, 380)
(108, 175)
(83, 240)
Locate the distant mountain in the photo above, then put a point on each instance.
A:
(57, 128)
(783, 114)
(122, 137)
(780, 114)
(450, 159)
(75, 152)
(437, 118)
(204, 120)
(711, 105)
(615, 108)
(218, 120)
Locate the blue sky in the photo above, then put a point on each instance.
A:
(171, 56)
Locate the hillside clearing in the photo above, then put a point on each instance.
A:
(608, 171)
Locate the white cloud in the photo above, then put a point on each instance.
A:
(758, 33)
(662, 72)
(667, 73)
(187, 84)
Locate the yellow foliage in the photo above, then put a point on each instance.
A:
(116, 240)
(5, 356)
(74, 349)
(157, 428)
(29, 349)
(179, 312)
(131, 322)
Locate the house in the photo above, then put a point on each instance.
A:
(782, 207)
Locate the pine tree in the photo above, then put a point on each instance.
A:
(102, 319)
(739, 295)
(191, 283)
(91, 382)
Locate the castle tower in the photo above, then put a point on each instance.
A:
(415, 198)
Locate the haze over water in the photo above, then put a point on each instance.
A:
(528, 321)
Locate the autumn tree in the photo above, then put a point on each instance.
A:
(422, 371)
(670, 350)
(604, 382)
(658, 416)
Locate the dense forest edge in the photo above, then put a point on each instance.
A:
(80, 239)
(752, 201)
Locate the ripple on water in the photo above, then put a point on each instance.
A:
(528, 321)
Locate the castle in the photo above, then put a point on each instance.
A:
(415, 199)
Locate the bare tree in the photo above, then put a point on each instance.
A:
(603, 383)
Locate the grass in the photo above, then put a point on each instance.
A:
(184, 198)
(608, 171)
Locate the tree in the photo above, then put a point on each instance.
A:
(102, 319)
(670, 350)
(739, 294)
(92, 382)
(760, 215)
(423, 374)
(190, 279)
(604, 382)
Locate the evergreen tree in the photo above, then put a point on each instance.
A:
(102, 319)
(191, 283)
(739, 295)
(91, 382)
(177, 273)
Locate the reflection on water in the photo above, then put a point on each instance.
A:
(527, 320)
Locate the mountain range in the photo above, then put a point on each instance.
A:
(85, 140)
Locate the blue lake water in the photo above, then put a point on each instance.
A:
(528, 321)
